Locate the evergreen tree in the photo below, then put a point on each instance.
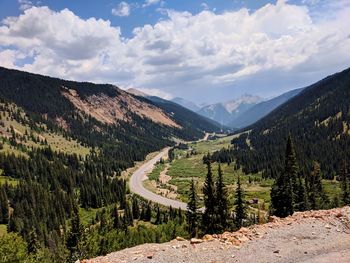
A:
(33, 243)
(240, 206)
(148, 213)
(282, 195)
(115, 215)
(4, 207)
(208, 219)
(158, 217)
(221, 202)
(317, 198)
(192, 211)
(345, 184)
(301, 201)
(128, 215)
(74, 237)
(135, 208)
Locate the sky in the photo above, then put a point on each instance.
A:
(203, 51)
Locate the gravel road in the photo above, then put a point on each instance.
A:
(140, 175)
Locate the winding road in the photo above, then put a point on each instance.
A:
(140, 175)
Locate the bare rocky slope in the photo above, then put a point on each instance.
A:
(308, 237)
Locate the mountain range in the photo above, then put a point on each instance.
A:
(236, 113)
(101, 115)
(318, 119)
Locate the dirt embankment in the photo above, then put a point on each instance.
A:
(308, 237)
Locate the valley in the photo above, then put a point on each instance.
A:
(94, 169)
(188, 164)
(174, 131)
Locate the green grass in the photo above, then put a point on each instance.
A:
(3, 230)
(211, 146)
(87, 214)
(55, 140)
(9, 180)
(182, 170)
(154, 175)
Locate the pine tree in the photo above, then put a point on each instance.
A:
(128, 215)
(208, 219)
(282, 195)
(317, 197)
(74, 237)
(33, 243)
(221, 202)
(301, 202)
(4, 207)
(158, 217)
(240, 206)
(192, 211)
(115, 215)
(345, 184)
(135, 208)
(148, 213)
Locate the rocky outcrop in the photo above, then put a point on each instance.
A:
(109, 110)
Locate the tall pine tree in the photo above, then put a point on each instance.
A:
(316, 195)
(221, 202)
(240, 206)
(74, 237)
(345, 184)
(192, 211)
(282, 194)
(208, 219)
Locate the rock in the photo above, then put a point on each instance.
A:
(243, 230)
(274, 219)
(276, 251)
(180, 239)
(243, 238)
(150, 255)
(196, 241)
(338, 215)
(328, 226)
(208, 238)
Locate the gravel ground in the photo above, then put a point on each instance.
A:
(309, 237)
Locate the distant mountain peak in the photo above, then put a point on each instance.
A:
(234, 104)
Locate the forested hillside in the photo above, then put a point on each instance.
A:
(319, 121)
(63, 146)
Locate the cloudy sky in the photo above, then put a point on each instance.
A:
(204, 51)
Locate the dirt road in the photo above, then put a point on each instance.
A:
(140, 175)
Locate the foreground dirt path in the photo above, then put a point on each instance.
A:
(309, 237)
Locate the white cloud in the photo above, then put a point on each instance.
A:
(184, 53)
(150, 2)
(123, 9)
(205, 6)
(25, 4)
(157, 92)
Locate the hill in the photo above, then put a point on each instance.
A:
(261, 109)
(320, 236)
(318, 118)
(86, 110)
(63, 147)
